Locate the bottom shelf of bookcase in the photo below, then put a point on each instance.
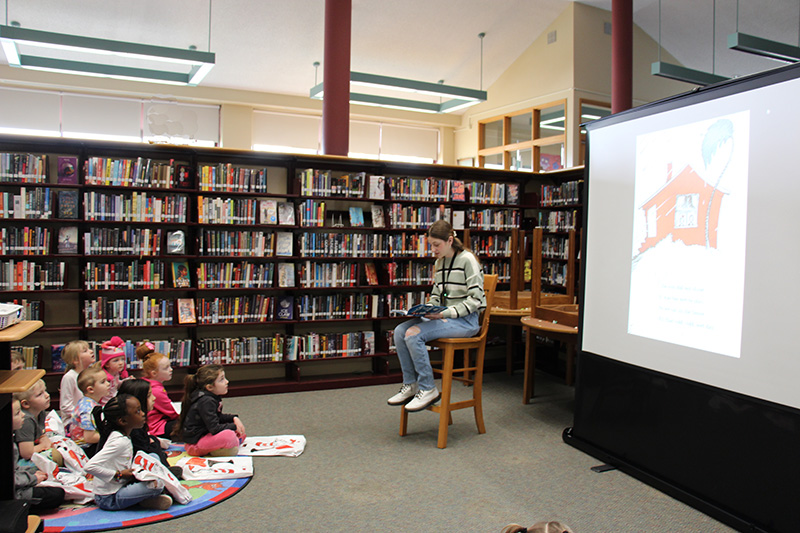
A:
(329, 381)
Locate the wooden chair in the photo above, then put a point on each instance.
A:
(449, 347)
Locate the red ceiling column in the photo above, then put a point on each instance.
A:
(336, 78)
(621, 55)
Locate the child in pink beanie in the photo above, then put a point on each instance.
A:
(112, 360)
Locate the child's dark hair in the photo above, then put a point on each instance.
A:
(139, 389)
(106, 418)
(206, 375)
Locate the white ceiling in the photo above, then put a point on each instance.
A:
(271, 45)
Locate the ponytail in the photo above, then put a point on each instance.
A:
(106, 419)
(206, 375)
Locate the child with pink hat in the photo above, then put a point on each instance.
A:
(112, 360)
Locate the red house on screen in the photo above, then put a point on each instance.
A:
(679, 209)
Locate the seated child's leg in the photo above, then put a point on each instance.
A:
(168, 429)
(127, 496)
(50, 498)
(225, 439)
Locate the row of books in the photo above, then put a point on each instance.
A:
(236, 309)
(408, 244)
(25, 240)
(481, 192)
(313, 274)
(34, 203)
(232, 350)
(312, 213)
(226, 177)
(555, 247)
(334, 306)
(139, 172)
(558, 220)
(491, 245)
(31, 309)
(410, 273)
(315, 182)
(244, 211)
(503, 271)
(23, 168)
(426, 189)
(554, 273)
(29, 276)
(314, 244)
(244, 243)
(493, 219)
(120, 275)
(128, 312)
(325, 345)
(568, 193)
(415, 217)
(32, 355)
(134, 207)
(179, 351)
(122, 241)
(244, 275)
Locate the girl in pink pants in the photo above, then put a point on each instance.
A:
(202, 425)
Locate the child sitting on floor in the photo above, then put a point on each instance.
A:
(112, 359)
(114, 486)
(140, 437)
(203, 426)
(156, 369)
(27, 478)
(93, 383)
(78, 355)
(30, 436)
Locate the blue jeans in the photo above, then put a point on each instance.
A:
(127, 496)
(413, 353)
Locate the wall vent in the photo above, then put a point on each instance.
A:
(551, 37)
(607, 28)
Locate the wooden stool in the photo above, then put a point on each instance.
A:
(449, 347)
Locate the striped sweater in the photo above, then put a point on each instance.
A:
(458, 284)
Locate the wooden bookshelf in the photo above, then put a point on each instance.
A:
(228, 188)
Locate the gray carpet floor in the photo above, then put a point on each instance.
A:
(357, 474)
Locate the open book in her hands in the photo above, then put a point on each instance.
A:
(420, 310)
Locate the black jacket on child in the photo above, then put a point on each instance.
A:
(205, 416)
(142, 440)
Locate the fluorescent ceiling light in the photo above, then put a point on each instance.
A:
(688, 75)
(763, 47)
(199, 63)
(461, 97)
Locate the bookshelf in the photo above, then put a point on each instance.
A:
(267, 262)
(11, 382)
(560, 220)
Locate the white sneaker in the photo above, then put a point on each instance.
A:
(423, 399)
(407, 392)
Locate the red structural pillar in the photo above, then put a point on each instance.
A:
(336, 78)
(621, 55)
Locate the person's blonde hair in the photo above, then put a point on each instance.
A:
(544, 526)
(71, 351)
(26, 394)
(17, 356)
(88, 376)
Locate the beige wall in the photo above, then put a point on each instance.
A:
(577, 65)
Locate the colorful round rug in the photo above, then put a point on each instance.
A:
(90, 518)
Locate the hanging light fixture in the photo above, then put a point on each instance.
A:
(762, 47)
(459, 97)
(97, 57)
(685, 74)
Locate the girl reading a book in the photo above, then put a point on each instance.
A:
(458, 286)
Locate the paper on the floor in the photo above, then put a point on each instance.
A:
(283, 445)
(205, 468)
